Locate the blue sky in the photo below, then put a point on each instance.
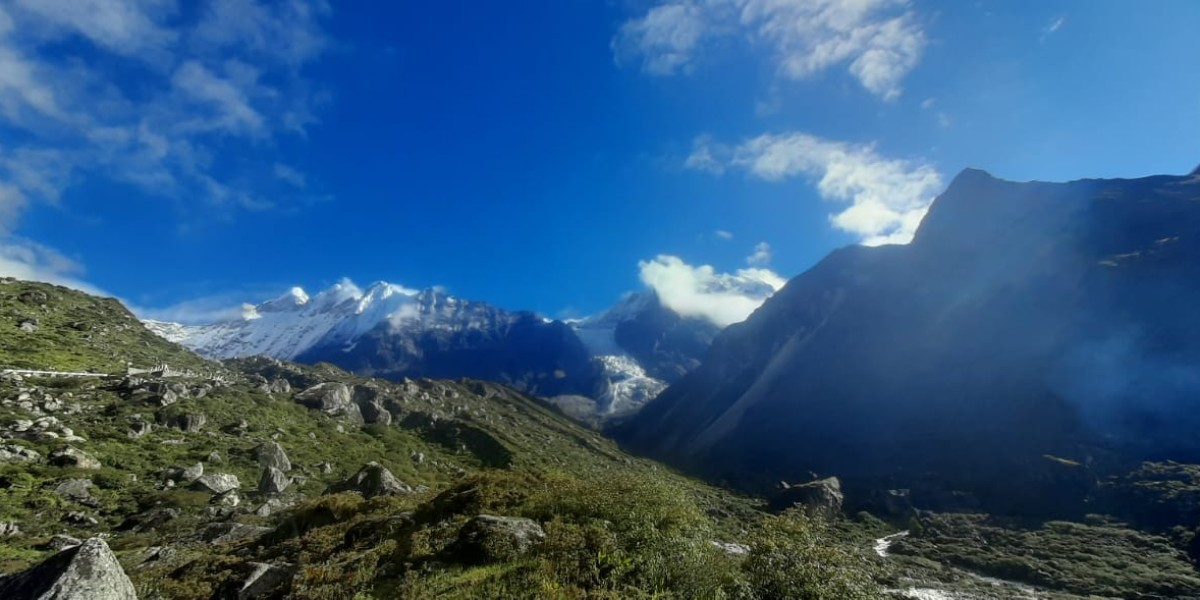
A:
(187, 156)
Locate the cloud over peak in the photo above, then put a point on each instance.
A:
(878, 41)
(887, 197)
(700, 291)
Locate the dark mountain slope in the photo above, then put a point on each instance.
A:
(1025, 319)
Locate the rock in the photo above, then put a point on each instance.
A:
(139, 428)
(265, 580)
(151, 519)
(823, 496)
(190, 423)
(13, 453)
(272, 506)
(28, 326)
(731, 548)
(271, 454)
(185, 474)
(214, 457)
(229, 499)
(326, 468)
(76, 490)
(217, 483)
(9, 529)
(69, 456)
(222, 533)
(418, 457)
(372, 480)
(62, 542)
(33, 297)
(279, 386)
(166, 398)
(488, 538)
(88, 571)
(331, 398)
(273, 481)
(370, 404)
(80, 519)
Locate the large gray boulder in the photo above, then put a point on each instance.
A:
(89, 571)
(820, 497)
(489, 538)
(369, 400)
(217, 483)
(372, 480)
(70, 456)
(331, 398)
(273, 481)
(271, 454)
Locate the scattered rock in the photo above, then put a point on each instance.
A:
(488, 538)
(418, 457)
(70, 456)
(28, 326)
(279, 386)
(9, 529)
(214, 457)
(229, 499)
(222, 533)
(88, 571)
(76, 490)
(151, 519)
(14, 453)
(33, 297)
(139, 428)
(217, 483)
(62, 542)
(823, 496)
(273, 481)
(185, 474)
(79, 519)
(271, 455)
(190, 423)
(272, 506)
(264, 580)
(326, 468)
(372, 480)
(331, 398)
(731, 548)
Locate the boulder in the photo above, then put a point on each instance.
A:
(191, 423)
(331, 398)
(89, 571)
(9, 529)
(185, 474)
(488, 538)
(273, 481)
(76, 490)
(70, 456)
(62, 542)
(823, 496)
(221, 533)
(279, 386)
(151, 519)
(264, 580)
(271, 454)
(372, 480)
(217, 483)
(370, 404)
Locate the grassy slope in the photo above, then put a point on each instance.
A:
(77, 332)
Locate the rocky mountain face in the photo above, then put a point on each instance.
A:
(612, 363)
(1030, 334)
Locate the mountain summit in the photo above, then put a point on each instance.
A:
(1025, 320)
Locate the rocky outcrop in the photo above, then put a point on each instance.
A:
(371, 405)
(88, 571)
(820, 497)
(264, 580)
(333, 399)
(72, 457)
(372, 480)
(488, 538)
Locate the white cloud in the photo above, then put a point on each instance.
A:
(761, 256)
(24, 259)
(290, 175)
(722, 298)
(223, 71)
(878, 41)
(722, 234)
(887, 197)
(1055, 24)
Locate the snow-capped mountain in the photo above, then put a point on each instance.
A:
(619, 359)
